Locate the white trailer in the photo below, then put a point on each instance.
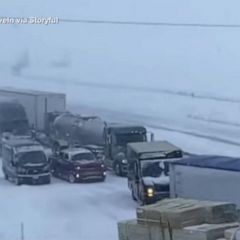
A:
(37, 103)
(206, 178)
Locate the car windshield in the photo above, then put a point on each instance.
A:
(83, 156)
(123, 139)
(154, 168)
(35, 157)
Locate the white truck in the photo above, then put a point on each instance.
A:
(37, 104)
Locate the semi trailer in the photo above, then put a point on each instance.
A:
(37, 104)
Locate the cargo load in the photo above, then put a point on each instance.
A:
(180, 219)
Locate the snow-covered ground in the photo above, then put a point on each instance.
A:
(183, 83)
(63, 211)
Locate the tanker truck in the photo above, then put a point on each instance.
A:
(92, 132)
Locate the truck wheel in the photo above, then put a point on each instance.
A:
(17, 181)
(71, 178)
(118, 169)
(5, 176)
(133, 197)
(48, 181)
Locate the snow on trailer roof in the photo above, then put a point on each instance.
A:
(20, 142)
(28, 91)
(150, 147)
(215, 162)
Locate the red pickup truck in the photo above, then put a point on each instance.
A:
(77, 165)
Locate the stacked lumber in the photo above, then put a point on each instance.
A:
(181, 219)
(229, 233)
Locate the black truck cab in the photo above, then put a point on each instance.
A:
(148, 169)
(25, 161)
(117, 136)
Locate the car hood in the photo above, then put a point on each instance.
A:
(33, 165)
(87, 163)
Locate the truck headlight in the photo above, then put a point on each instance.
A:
(102, 165)
(150, 192)
(78, 168)
(124, 161)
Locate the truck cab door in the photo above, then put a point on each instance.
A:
(137, 181)
(108, 150)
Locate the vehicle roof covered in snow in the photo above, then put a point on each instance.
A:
(121, 128)
(28, 91)
(215, 162)
(151, 147)
(21, 142)
(76, 150)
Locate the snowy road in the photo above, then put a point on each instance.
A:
(63, 211)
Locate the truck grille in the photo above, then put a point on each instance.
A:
(162, 188)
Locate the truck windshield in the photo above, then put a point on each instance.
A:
(15, 126)
(34, 157)
(83, 156)
(123, 139)
(154, 168)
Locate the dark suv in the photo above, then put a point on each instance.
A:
(76, 165)
(25, 161)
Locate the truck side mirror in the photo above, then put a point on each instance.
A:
(152, 137)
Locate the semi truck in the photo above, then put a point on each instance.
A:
(13, 117)
(71, 130)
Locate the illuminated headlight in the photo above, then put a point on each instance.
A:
(78, 168)
(102, 165)
(77, 175)
(124, 161)
(104, 173)
(150, 192)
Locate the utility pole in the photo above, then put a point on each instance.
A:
(22, 231)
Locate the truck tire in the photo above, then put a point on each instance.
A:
(71, 178)
(133, 197)
(5, 176)
(48, 181)
(17, 181)
(117, 169)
